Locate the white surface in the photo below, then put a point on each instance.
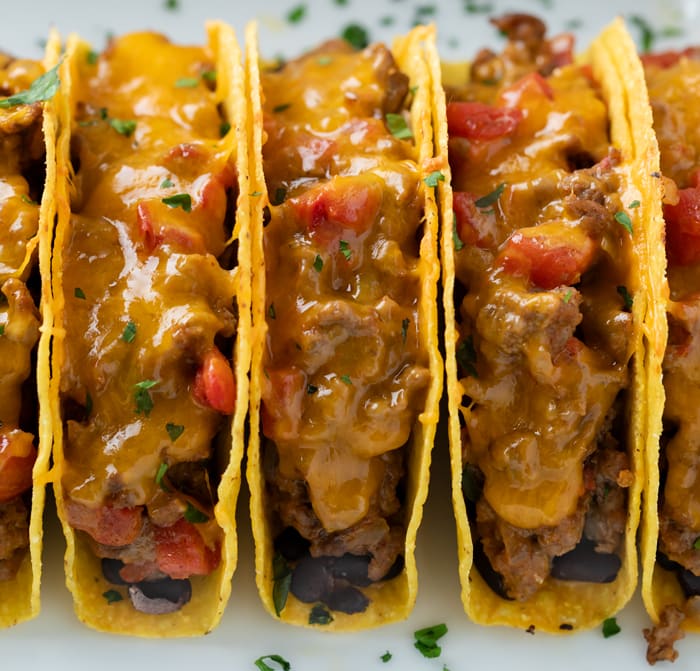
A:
(56, 641)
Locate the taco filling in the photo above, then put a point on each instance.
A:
(22, 155)
(673, 81)
(345, 371)
(544, 297)
(146, 384)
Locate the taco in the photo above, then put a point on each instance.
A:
(346, 374)
(151, 284)
(542, 251)
(671, 538)
(27, 169)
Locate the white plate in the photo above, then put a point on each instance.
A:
(55, 640)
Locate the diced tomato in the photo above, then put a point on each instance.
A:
(472, 225)
(181, 551)
(477, 121)
(548, 260)
(666, 59)
(17, 456)
(108, 525)
(214, 384)
(562, 49)
(683, 228)
(521, 93)
(185, 150)
(212, 192)
(283, 395)
(156, 232)
(340, 205)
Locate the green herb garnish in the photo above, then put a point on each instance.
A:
(282, 579)
(356, 35)
(633, 204)
(472, 7)
(172, 5)
(79, 293)
(626, 297)
(490, 198)
(318, 263)
(610, 627)
(319, 615)
(129, 332)
(466, 356)
(166, 183)
(296, 14)
(426, 640)
(345, 249)
(183, 200)
(647, 35)
(346, 379)
(386, 657)
(397, 126)
(174, 430)
(2, 329)
(194, 515)
(125, 127)
(696, 544)
(279, 661)
(42, 88)
(324, 60)
(209, 75)
(91, 57)
(142, 397)
(186, 82)
(568, 295)
(28, 200)
(224, 128)
(162, 470)
(112, 596)
(255, 194)
(624, 219)
(433, 178)
(456, 240)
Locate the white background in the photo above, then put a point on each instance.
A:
(56, 641)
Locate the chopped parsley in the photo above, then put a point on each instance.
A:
(456, 240)
(696, 544)
(91, 57)
(624, 219)
(341, 3)
(2, 329)
(183, 200)
(386, 657)
(472, 7)
(433, 178)
(324, 60)
(124, 127)
(387, 21)
(356, 35)
(194, 515)
(311, 389)
(28, 200)
(345, 249)
(568, 295)
(646, 32)
(255, 194)
(279, 661)
(129, 332)
(162, 470)
(296, 14)
(112, 596)
(186, 82)
(404, 329)
(319, 615)
(166, 183)
(466, 356)
(209, 75)
(280, 108)
(172, 5)
(318, 263)
(426, 640)
(174, 430)
(626, 297)
(282, 579)
(610, 627)
(490, 198)
(633, 204)
(79, 293)
(142, 397)
(224, 128)
(271, 311)
(42, 88)
(397, 126)
(346, 379)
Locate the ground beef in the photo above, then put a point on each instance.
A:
(661, 638)
(14, 528)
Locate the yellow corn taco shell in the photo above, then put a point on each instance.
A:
(19, 586)
(171, 193)
(302, 267)
(553, 605)
(669, 533)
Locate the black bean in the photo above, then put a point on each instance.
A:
(352, 568)
(347, 600)
(689, 582)
(158, 597)
(110, 570)
(583, 563)
(492, 578)
(291, 544)
(395, 569)
(311, 579)
(666, 563)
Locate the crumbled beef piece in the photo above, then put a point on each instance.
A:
(662, 636)
(14, 536)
